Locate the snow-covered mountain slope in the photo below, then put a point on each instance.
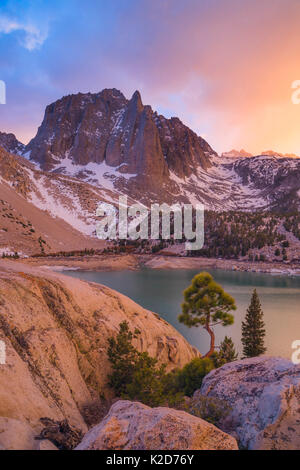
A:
(275, 179)
(57, 209)
(229, 183)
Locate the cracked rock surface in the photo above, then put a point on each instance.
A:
(264, 393)
(134, 426)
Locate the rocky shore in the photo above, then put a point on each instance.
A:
(112, 262)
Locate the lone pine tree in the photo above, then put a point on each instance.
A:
(253, 331)
(207, 304)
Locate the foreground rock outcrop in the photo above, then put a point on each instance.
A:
(264, 393)
(55, 329)
(17, 435)
(134, 426)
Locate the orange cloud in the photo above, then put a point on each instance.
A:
(230, 62)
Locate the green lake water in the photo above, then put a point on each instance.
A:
(161, 292)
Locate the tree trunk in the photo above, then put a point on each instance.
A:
(212, 340)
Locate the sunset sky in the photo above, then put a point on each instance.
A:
(224, 67)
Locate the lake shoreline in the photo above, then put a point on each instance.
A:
(134, 262)
(161, 291)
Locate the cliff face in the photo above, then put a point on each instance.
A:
(55, 329)
(182, 148)
(77, 126)
(125, 134)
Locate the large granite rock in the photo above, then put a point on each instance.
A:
(134, 426)
(16, 435)
(264, 393)
(56, 331)
(45, 444)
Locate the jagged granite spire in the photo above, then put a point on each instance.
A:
(124, 133)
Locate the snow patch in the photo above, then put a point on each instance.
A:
(99, 174)
(69, 209)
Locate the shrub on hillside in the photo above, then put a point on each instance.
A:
(189, 379)
(135, 375)
(138, 376)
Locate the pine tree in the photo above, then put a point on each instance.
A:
(227, 350)
(253, 331)
(135, 375)
(207, 304)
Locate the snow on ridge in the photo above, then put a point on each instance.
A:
(26, 155)
(100, 174)
(59, 200)
(220, 187)
(229, 184)
(117, 120)
(47, 199)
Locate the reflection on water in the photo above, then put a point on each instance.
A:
(161, 292)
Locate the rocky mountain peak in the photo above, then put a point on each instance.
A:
(11, 144)
(272, 153)
(136, 99)
(124, 134)
(77, 127)
(236, 154)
